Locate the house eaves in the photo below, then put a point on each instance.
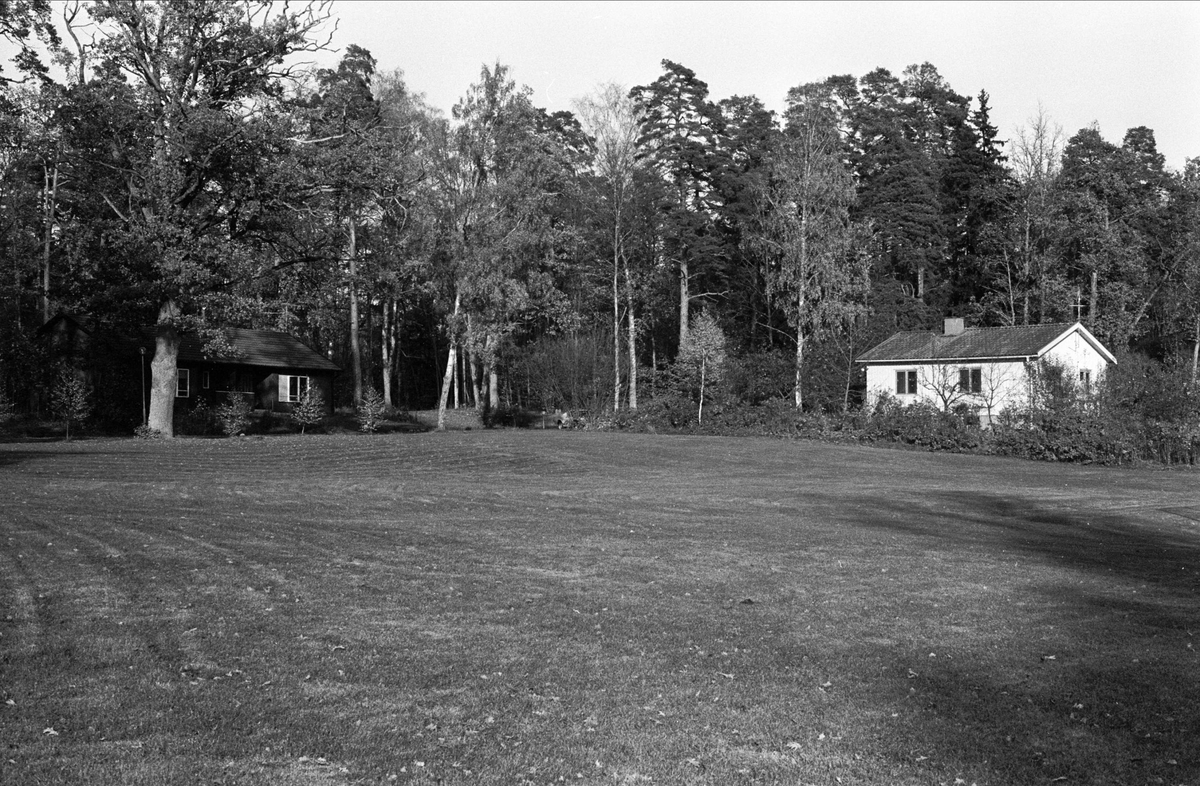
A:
(974, 345)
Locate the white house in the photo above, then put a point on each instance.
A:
(985, 368)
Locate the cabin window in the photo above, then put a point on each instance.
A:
(970, 380)
(906, 383)
(183, 383)
(292, 388)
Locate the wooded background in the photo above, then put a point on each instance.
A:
(186, 173)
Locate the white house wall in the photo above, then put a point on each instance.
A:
(1075, 353)
(1003, 384)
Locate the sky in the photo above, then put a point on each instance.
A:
(1119, 64)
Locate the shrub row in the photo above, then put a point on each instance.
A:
(1084, 433)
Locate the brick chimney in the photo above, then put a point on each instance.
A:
(954, 326)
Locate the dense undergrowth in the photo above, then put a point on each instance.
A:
(1084, 433)
(1142, 412)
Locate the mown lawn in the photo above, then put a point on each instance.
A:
(550, 607)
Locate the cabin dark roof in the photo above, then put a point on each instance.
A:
(268, 348)
(258, 348)
(974, 344)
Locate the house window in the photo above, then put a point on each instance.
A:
(906, 383)
(205, 381)
(183, 383)
(1085, 379)
(292, 388)
(970, 380)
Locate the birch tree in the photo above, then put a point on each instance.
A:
(611, 120)
(814, 263)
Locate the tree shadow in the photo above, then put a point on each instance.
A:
(1114, 698)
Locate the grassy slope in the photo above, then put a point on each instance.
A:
(541, 607)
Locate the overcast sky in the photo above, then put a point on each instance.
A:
(1120, 64)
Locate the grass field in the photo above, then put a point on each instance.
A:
(573, 607)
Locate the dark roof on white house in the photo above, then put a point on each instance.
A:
(258, 348)
(993, 343)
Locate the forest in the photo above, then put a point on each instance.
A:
(175, 165)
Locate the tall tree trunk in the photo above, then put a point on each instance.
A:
(685, 300)
(802, 303)
(386, 345)
(448, 377)
(493, 377)
(476, 374)
(50, 186)
(1094, 303)
(799, 365)
(355, 349)
(1196, 350)
(632, 326)
(456, 379)
(616, 315)
(164, 371)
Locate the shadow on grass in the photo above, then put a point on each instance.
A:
(1123, 542)
(12, 458)
(1105, 669)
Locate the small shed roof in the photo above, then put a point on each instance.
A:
(993, 343)
(258, 348)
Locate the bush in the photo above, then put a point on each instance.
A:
(310, 411)
(372, 411)
(234, 415)
(514, 417)
(1064, 434)
(145, 432)
(920, 424)
(70, 399)
(200, 420)
(7, 408)
(761, 377)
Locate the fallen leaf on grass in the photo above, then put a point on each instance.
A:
(726, 676)
(794, 745)
(10, 702)
(49, 730)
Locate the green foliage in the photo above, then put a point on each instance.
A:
(372, 411)
(310, 410)
(70, 398)
(200, 420)
(234, 415)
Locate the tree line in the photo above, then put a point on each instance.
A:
(186, 172)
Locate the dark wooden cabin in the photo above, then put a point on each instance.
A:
(271, 368)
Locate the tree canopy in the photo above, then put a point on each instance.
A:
(187, 172)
